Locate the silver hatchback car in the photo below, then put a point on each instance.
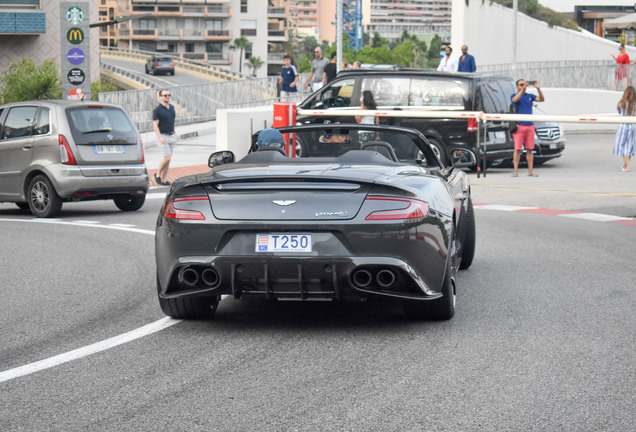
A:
(54, 151)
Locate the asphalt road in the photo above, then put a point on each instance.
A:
(543, 338)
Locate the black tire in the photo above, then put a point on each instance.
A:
(439, 309)
(469, 236)
(43, 200)
(438, 149)
(22, 206)
(190, 308)
(129, 202)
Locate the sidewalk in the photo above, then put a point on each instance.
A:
(197, 141)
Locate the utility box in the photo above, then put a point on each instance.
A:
(285, 115)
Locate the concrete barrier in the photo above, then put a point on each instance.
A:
(234, 127)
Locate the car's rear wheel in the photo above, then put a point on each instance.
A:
(43, 201)
(439, 309)
(437, 148)
(129, 202)
(190, 307)
(469, 237)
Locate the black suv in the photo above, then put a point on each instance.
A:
(418, 89)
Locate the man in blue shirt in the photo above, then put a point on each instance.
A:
(524, 135)
(466, 61)
(288, 78)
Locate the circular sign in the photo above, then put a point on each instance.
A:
(76, 94)
(75, 56)
(76, 76)
(75, 35)
(75, 15)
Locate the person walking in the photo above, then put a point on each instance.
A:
(524, 136)
(622, 67)
(163, 124)
(317, 69)
(331, 70)
(448, 63)
(288, 78)
(626, 135)
(466, 61)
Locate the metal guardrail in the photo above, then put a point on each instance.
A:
(193, 65)
(591, 74)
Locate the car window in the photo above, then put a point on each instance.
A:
(43, 123)
(487, 103)
(496, 93)
(435, 93)
(88, 124)
(393, 92)
(19, 122)
(336, 95)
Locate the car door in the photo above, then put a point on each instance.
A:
(16, 148)
(341, 94)
(493, 101)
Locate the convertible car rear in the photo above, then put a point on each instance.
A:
(366, 212)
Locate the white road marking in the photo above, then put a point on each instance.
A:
(88, 350)
(500, 207)
(96, 347)
(595, 217)
(81, 223)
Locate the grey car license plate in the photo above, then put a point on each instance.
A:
(109, 148)
(283, 243)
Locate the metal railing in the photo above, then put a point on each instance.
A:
(591, 74)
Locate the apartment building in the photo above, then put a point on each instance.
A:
(389, 18)
(204, 30)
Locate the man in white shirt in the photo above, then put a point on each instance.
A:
(448, 63)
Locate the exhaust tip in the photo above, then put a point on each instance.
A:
(362, 278)
(210, 277)
(385, 278)
(189, 276)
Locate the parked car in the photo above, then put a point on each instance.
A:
(549, 142)
(160, 65)
(416, 89)
(347, 220)
(61, 150)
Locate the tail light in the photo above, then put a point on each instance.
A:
(175, 209)
(472, 125)
(65, 152)
(143, 153)
(404, 209)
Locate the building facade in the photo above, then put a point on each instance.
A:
(389, 18)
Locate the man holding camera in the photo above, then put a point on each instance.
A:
(524, 136)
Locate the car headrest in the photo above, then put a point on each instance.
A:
(382, 147)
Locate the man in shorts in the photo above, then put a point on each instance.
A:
(522, 103)
(163, 124)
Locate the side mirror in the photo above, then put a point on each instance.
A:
(463, 159)
(220, 158)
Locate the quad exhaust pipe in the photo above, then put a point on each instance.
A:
(195, 276)
(384, 278)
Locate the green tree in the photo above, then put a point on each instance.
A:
(100, 86)
(254, 63)
(241, 44)
(434, 49)
(26, 81)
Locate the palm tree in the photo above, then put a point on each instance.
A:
(254, 63)
(241, 44)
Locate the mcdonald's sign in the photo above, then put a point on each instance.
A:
(75, 35)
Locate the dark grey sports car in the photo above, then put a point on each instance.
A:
(363, 211)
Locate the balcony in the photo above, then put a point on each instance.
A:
(218, 35)
(144, 34)
(170, 34)
(219, 58)
(219, 11)
(276, 36)
(276, 12)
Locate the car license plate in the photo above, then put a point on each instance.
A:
(109, 149)
(283, 243)
(553, 146)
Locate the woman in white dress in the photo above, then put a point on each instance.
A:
(368, 103)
